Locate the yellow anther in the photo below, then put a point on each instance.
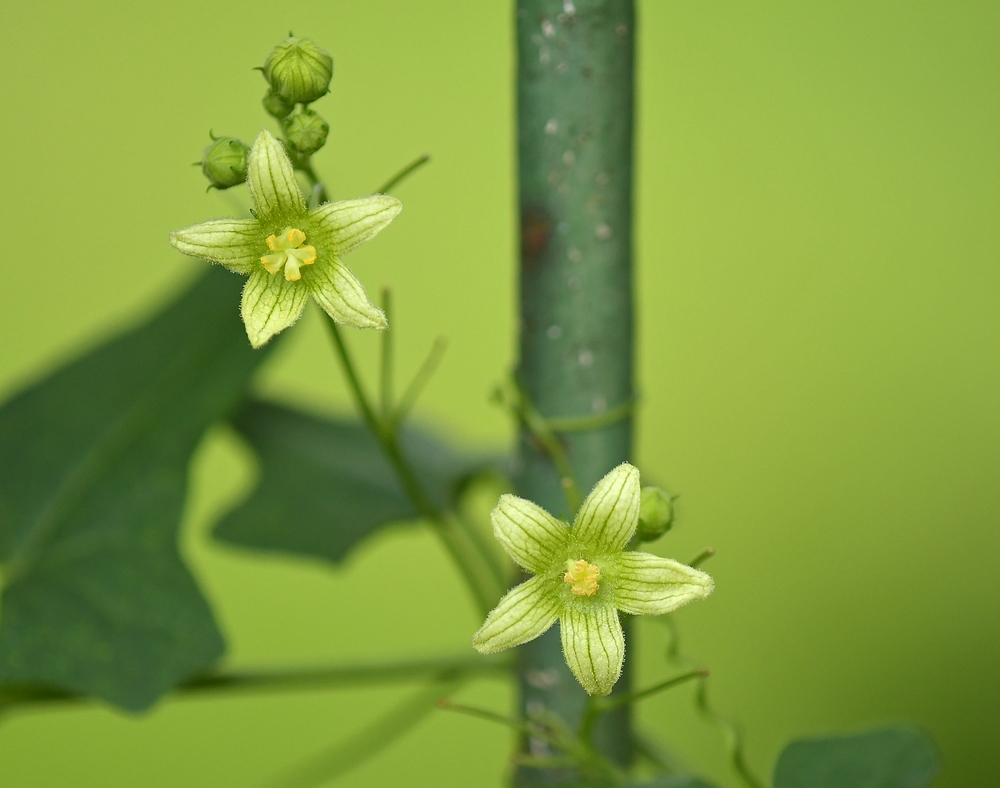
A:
(582, 577)
(289, 253)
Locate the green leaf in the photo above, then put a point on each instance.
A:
(674, 781)
(93, 474)
(888, 758)
(325, 484)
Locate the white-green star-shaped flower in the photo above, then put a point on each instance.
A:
(290, 252)
(583, 577)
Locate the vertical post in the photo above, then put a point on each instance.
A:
(575, 123)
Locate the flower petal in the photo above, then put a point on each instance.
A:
(234, 243)
(593, 645)
(342, 296)
(529, 534)
(650, 585)
(608, 518)
(270, 304)
(524, 613)
(273, 187)
(341, 226)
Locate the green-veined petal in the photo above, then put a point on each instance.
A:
(593, 645)
(273, 187)
(341, 295)
(340, 226)
(529, 534)
(609, 516)
(650, 585)
(271, 304)
(234, 243)
(524, 613)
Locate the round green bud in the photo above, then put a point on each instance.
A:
(276, 106)
(306, 131)
(298, 70)
(656, 514)
(224, 162)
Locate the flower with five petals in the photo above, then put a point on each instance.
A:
(583, 577)
(290, 252)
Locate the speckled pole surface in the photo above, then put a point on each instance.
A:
(575, 124)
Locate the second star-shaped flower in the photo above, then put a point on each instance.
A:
(583, 577)
(290, 252)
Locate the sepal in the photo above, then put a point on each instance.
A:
(593, 645)
(650, 585)
(342, 295)
(531, 536)
(270, 305)
(341, 226)
(234, 243)
(608, 517)
(275, 192)
(525, 612)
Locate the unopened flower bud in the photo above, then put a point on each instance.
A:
(656, 514)
(298, 70)
(224, 162)
(276, 106)
(306, 131)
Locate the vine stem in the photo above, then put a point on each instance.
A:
(278, 680)
(474, 567)
(306, 168)
(598, 706)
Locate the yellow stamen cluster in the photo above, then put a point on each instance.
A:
(582, 577)
(289, 253)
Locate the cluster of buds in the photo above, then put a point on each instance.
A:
(298, 73)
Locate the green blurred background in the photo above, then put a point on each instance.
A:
(818, 288)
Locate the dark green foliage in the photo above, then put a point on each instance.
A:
(889, 758)
(325, 483)
(675, 781)
(93, 474)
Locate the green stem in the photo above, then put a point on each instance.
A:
(419, 381)
(575, 121)
(702, 557)
(598, 706)
(370, 740)
(540, 429)
(733, 732)
(550, 730)
(473, 566)
(385, 377)
(288, 679)
(403, 173)
(305, 166)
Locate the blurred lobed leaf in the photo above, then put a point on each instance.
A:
(325, 484)
(674, 781)
(888, 758)
(93, 473)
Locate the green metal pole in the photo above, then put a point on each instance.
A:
(575, 125)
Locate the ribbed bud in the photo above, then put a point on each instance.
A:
(224, 162)
(306, 131)
(298, 70)
(276, 106)
(656, 514)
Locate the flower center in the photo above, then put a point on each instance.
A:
(582, 577)
(289, 253)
